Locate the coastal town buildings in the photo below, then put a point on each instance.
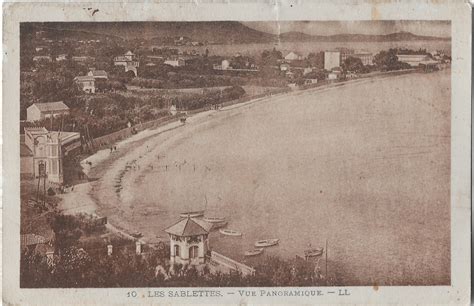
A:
(367, 58)
(86, 83)
(40, 111)
(61, 57)
(225, 65)
(82, 60)
(334, 75)
(46, 152)
(98, 74)
(415, 60)
(332, 59)
(189, 245)
(284, 67)
(175, 62)
(129, 61)
(42, 58)
(335, 58)
(293, 56)
(188, 241)
(310, 81)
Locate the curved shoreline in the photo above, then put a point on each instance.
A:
(103, 196)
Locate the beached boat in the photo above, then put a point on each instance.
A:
(229, 232)
(192, 214)
(214, 219)
(217, 225)
(266, 243)
(253, 252)
(136, 234)
(315, 252)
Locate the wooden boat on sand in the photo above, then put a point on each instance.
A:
(214, 219)
(217, 225)
(266, 243)
(315, 252)
(253, 252)
(229, 232)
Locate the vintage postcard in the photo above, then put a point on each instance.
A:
(260, 152)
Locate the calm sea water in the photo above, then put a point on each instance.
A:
(365, 167)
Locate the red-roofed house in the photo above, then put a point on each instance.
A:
(188, 241)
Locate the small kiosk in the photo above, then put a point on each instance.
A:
(188, 241)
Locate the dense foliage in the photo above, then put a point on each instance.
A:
(81, 261)
(388, 61)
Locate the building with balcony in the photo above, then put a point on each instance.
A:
(48, 148)
(129, 61)
(189, 241)
(85, 83)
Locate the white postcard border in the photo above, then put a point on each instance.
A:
(458, 12)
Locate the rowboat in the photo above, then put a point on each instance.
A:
(136, 234)
(229, 232)
(192, 214)
(217, 225)
(214, 219)
(313, 252)
(253, 252)
(266, 243)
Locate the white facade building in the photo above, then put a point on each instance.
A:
(129, 61)
(332, 59)
(189, 241)
(40, 111)
(48, 149)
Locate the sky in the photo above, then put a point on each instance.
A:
(427, 28)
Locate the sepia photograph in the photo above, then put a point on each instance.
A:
(235, 153)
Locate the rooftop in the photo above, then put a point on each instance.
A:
(189, 227)
(51, 106)
(64, 137)
(36, 130)
(84, 78)
(98, 73)
(123, 58)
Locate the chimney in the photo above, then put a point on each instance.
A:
(138, 248)
(109, 249)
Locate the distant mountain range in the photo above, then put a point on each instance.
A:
(222, 32)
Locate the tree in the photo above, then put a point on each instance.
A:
(34, 270)
(353, 64)
(388, 60)
(66, 230)
(316, 60)
(271, 58)
(234, 92)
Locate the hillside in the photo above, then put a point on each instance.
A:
(221, 32)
